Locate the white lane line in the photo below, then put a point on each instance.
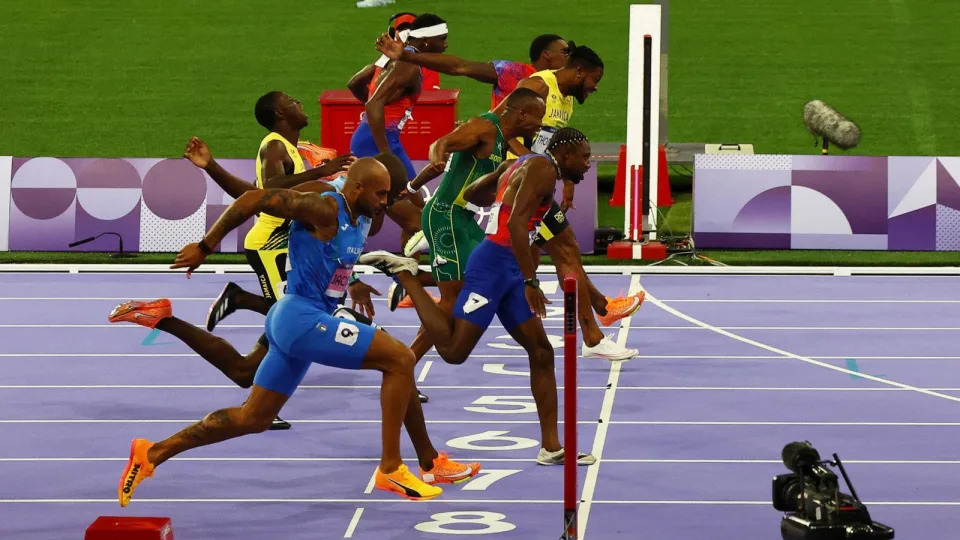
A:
(423, 372)
(651, 298)
(606, 410)
(353, 523)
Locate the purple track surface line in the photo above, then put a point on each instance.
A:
(290, 521)
(238, 479)
(707, 287)
(191, 369)
(823, 314)
(304, 440)
(388, 518)
(751, 481)
(325, 404)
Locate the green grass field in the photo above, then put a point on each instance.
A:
(138, 78)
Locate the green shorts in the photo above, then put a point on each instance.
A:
(453, 233)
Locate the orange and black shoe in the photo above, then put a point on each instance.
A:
(143, 313)
(406, 485)
(620, 307)
(448, 471)
(138, 469)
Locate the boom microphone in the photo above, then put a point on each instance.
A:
(824, 121)
(119, 254)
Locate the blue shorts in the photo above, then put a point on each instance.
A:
(493, 285)
(362, 145)
(300, 333)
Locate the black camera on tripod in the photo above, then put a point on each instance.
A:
(816, 509)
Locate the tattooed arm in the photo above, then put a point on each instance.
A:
(309, 208)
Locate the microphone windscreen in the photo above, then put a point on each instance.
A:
(824, 121)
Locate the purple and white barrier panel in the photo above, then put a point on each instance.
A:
(827, 202)
(157, 205)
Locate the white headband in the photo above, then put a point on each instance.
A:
(430, 31)
(382, 61)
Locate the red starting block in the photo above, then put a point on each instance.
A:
(130, 528)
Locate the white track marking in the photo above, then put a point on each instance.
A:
(353, 523)
(426, 369)
(606, 409)
(778, 461)
(299, 421)
(398, 500)
(799, 301)
(234, 387)
(373, 480)
(707, 357)
(485, 459)
(670, 301)
(685, 328)
(368, 500)
(516, 422)
(547, 270)
(260, 459)
(651, 298)
(456, 387)
(186, 355)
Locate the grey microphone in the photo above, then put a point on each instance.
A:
(825, 122)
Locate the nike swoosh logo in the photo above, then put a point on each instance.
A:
(460, 475)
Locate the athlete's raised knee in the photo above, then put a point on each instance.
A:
(390, 356)
(405, 360)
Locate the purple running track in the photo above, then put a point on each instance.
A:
(691, 436)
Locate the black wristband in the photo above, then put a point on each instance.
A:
(204, 248)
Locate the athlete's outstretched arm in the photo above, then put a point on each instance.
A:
(426, 174)
(447, 64)
(308, 208)
(483, 191)
(394, 85)
(464, 137)
(359, 84)
(199, 154)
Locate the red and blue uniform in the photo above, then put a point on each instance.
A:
(509, 75)
(395, 115)
(493, 283)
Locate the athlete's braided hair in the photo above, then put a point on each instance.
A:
(564, 136)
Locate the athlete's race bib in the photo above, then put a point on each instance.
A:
(339, 282)
(540, 143)
(407, 116)
(493, 224)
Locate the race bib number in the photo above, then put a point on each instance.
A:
(534, 232)
(407, 116)
(493, 223)
(347, 334)
(339, 282)
(540, 143)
